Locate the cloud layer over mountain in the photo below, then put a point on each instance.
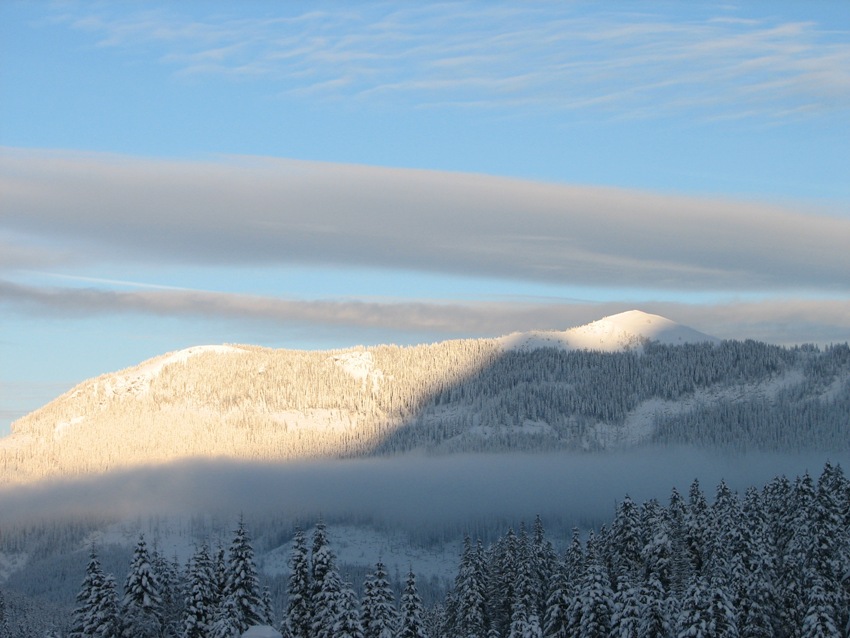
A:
(265, 211)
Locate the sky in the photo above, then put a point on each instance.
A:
(322, 175)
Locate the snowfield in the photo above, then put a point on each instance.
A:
(625, 331)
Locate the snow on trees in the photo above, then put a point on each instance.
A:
(243, 586)
(141, 608)
(774, 564)
(97, 614)
(412, 614)
(379, 611)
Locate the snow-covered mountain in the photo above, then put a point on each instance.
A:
(625, 380)
(623, 331)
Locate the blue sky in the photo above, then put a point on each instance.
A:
(310, 175)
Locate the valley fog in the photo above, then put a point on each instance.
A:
(415, 493)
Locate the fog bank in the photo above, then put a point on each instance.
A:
(411, 492)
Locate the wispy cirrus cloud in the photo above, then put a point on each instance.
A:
(632, 63)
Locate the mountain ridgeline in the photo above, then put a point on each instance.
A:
(628, 380)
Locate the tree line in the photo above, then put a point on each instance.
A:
(773, 562)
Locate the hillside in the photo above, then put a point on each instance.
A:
(625, 380)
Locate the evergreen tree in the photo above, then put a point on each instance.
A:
(626, 543)
(328, 601)
(226, 623)
(201, 597)
(625, 619)
(590, 612)
(795, 564)
(819, 619)
(142, 604)
(89, 590)
(501, 582)
(268, 608)
(172, 592)
(574, 562)
(380, 616)
(525, 620)
(722, 623)
(695, 616)
(348, 621)
(654, 621)
(243, 586)
(366, 607)
(657, 552)
(326, 597)
(469, 616)
(751, 567)
(556, 619)
(97, 613)
(412, 616)
(680, 572)
(753, 617)
(220, 570)
(545, 562)
(697, 528)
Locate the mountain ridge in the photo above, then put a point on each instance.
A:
(533, 391)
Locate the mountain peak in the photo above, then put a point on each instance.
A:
(623, 331)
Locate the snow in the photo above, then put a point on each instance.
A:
(527, 427)
(640, 423)
(624, 331)
(356, 545)
(136, 382)
(261, 631)
(360, 365)
(63, 425)
(351, 544)
(10, 562)
(317, 419)
(167, 534)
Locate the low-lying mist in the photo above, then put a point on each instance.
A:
(413, 492)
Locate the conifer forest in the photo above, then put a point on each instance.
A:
(772, 562)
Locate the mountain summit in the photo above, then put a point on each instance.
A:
(623, 331)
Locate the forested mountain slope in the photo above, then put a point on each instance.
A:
(662, 383)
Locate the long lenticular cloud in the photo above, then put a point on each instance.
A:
(266, 211)
(782, 321)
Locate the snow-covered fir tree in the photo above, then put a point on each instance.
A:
(141, 608)
(97, 613)
(591, 609)
(525, 618)
(348, 620)
(226, 623)
(243, 585)
(172, 587)
(201, 594)
(380, 617)
(412, 622)
(299, 612)
(466, 615)
(326, 586)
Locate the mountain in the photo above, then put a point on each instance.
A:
(629, 379)
(623, 331)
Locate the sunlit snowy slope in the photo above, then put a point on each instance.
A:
(619, 332)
